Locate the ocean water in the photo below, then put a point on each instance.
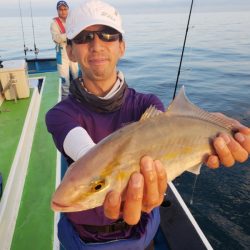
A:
(216, 75)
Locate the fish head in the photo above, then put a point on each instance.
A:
(107, 166)
(87, 189)
(77, 195)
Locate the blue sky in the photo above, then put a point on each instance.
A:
(47, 7)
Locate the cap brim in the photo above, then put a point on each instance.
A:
(62, 5)
(82, 27)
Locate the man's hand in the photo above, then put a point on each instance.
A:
(145, 191)
(228, 149)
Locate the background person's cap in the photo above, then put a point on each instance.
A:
(92, 12)
(60, 3)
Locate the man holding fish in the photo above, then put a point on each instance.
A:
(112, 190)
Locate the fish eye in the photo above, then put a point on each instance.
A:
(98, 185)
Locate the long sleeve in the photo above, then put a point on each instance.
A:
(77, 143)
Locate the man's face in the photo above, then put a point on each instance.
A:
(62, 11)
(98, 59)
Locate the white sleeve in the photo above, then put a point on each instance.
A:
(77, 142)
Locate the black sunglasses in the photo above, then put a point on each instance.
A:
(106, 35)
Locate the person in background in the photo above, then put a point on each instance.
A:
(65, 67)
(99, 103)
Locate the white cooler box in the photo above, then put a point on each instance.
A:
(14, 79)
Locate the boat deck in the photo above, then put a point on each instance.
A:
(35, 219)
(12, 117)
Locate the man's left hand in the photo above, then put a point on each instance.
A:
(229, 149)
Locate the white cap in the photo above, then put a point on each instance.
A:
(92, 12)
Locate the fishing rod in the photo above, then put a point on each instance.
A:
(177, 80)
(36, 50)
(183, 48)
(25, 48)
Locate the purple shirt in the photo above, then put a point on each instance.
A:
(69, 114)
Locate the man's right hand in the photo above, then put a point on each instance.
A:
(145, 191)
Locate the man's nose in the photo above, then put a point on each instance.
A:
(96, 43)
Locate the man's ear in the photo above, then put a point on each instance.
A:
(70, 53)
(122, 48)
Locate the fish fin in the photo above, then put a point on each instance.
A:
(152, 111)
(195, 169)
(182, 106)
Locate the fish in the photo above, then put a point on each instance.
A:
(181, 138)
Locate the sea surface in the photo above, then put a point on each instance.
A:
(216, 75)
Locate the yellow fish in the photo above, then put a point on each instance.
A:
(180, 138)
